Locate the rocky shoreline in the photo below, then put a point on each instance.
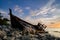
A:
(13, 34)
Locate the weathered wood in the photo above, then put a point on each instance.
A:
(21, 24)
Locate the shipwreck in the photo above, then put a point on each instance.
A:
(20, 24)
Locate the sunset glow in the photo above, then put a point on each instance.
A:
(55, 25)
(34, 11)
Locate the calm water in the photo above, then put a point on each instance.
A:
(54, 31)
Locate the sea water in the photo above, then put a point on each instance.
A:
(54, 31)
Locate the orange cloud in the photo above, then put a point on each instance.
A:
(54, 25)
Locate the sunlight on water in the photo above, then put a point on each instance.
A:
(54, 31)
(56, 34)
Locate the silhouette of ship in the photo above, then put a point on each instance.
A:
(20, 24)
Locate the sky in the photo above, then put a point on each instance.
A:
(33, 11)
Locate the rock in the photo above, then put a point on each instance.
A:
(2, 33)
